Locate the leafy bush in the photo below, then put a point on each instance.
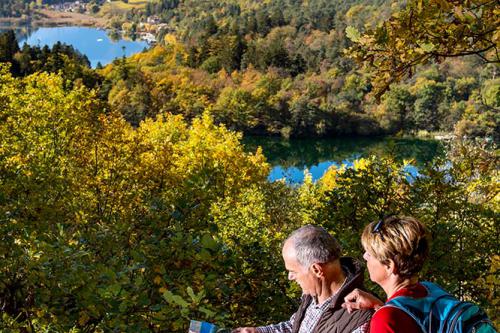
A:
(107, 227)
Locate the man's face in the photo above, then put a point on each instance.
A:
(298, 273)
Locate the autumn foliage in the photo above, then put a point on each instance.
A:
(109, 227)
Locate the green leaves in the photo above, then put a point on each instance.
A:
(175, 299)
(189, 309)
(353, 34)
(426, 47)
(106, 225)
(208, 242)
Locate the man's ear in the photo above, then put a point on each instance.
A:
(317, 270)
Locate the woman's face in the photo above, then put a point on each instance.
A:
(378, 271)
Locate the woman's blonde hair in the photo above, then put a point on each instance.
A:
(402, 239)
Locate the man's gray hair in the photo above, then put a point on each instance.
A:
(313, 245)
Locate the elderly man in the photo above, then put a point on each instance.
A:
(313, 260)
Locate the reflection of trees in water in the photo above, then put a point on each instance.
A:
(308, 152)
(114, 35)
(22, 31)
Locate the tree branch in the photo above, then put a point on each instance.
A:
(464, 53)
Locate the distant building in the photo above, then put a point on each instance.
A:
(153, 19)
(149, 38)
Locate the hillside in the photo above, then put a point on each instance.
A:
(282, 68)
(288, 68)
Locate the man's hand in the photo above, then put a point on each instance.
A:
(358, 299)
(244, 330)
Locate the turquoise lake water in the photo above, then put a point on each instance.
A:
(290, 158)
(93, 42)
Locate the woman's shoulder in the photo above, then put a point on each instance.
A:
(390, 319)
(390, 313)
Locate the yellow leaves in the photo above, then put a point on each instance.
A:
(97, 174)
(249, 78)
(73, 242)
(158, 280)
(329, 179)
(443, 4)
(354, 11)
(216, 148)
(425, 30)
(241, 219)
(420, 84)
(485, 192)
(361, 164)
(172, 44)
(425, 48)
(420, 5)
(84, 318)
(166, 130)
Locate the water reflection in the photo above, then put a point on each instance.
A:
(21, 31)
(289, 158)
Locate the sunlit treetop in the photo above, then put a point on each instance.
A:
(427, 30)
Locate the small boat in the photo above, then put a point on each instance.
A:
(99, 39)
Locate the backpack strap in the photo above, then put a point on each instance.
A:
(434, 290)
(441, 312)
(422, 309)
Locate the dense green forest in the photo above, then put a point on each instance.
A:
(129, 204)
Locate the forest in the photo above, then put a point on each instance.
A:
(128, 202)
(286, 68)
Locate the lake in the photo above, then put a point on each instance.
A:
(95, 43)
(290, 158)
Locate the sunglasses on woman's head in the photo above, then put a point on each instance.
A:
(377, 228)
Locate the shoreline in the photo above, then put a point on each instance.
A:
(45, 17)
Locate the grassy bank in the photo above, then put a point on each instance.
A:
(47, 17)
(120, 8)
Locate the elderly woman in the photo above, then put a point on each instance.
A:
(395, 251)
